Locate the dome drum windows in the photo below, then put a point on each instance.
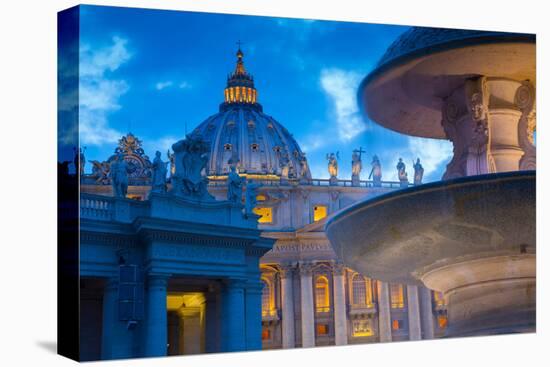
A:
(255, 147)
(227, 147)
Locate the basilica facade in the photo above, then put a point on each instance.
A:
(216, 280)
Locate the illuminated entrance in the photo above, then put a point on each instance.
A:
(186, 322)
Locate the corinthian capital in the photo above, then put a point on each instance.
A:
(306, 268)
(286, 270)
(338, 268)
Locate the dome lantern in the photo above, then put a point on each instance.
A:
(240, 86)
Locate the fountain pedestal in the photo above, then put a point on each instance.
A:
(492, 295)
(472, 238)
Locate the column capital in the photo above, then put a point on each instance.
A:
(338, 268)
(155, 280)
(233, 283)
(253, 287)
(287, 270)
(305, 268)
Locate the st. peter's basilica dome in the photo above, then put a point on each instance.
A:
(241, 134)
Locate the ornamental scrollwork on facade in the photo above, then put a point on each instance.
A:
(466, 122)
(525, 101)
(138, 165)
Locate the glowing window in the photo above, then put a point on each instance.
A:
(361, 291)
(319, 212)
(266, 334)
(322, 301)
(362, 328)
(442, 321)
(261, 197)
(396, 294)
(397, 324)
(266, 214)
(322, 329)
(266, 299)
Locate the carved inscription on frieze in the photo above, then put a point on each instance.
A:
(197, 253)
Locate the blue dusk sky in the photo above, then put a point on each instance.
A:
(156, 73)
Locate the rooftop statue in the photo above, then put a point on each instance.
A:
(250, 196)
(171, 157)
(119, 176)
(234, 184)
(190, 178)
(376, 171)
(284, 163)
(305, 174)
(159, 174)
(402, 173)
(356, 166)
(79, 160)
(333, 166)
(100, 171)
(418, 172)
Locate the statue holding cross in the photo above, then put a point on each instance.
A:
(356, 166)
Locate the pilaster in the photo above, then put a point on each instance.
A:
(308, 319)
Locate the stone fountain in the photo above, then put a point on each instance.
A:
(472, 238)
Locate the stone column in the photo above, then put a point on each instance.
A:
(340, 320)
(384, 312)
(307, 306)
(117, 339)
(190, 330)
(287, 300)
(426, 312)
(156, 316)
(491, 123)
(233, 332)
(253, 294)
(413, 308)
(212, 335)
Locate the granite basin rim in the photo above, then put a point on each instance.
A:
(433, 72)
(438, 222)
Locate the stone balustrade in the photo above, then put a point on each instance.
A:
(96, 207)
